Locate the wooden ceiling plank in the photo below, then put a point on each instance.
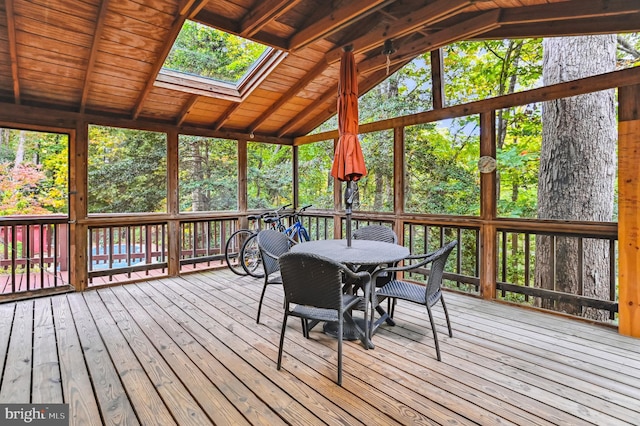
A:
(345, 16)
(13, 52)
(326, 97)
(583, 9)
(430, 14)
(461, 31)
(157, 66)
(263, 14)
(97, 35)
(301, 84)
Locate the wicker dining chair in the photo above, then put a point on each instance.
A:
(272, 244)
(427, 295)
(313, 292)
(377, 233)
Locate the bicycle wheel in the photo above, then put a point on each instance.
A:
(251, 260)
(233, 248)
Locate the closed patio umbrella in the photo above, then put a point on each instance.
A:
(348, 161)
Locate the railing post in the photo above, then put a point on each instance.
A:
(488, 240)
(78, 157)
(628, 205)
(173, 205)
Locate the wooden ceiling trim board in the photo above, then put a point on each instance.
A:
(461, 31)
(171, 37)
(311, 75)
(335, 21)
(430, 14)
(97, 35)
(13, 53)
(264, 13)
(570, 10)
(188, 106)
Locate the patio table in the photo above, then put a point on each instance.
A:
(361, 252)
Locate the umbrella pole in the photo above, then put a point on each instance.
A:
(348, 202)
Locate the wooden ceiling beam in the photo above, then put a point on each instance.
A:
(578, 9)
(461, 31)
(13, 52)
(627, 23)
(300, 85)
(186, 109)
(97, 35)
(322, 25)
(263, 13)
(225, 116)
(430, 14)
(363, 87)
(162, 55)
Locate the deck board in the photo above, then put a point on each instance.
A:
(187, 351)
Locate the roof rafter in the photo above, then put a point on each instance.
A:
(225, 116)
(264, 12)
(334, 21)
(188, 106)
(430, 14)
(463, 30)
(13, 53)
(97, 35)
(166, 48)
(363, 87)
(300, 85)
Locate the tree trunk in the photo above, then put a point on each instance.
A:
(577, 169)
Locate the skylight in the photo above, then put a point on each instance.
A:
(210, 62)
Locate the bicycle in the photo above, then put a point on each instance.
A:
(250, 252)
(233, 252)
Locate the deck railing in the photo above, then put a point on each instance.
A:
(126, 251)
(33, 254)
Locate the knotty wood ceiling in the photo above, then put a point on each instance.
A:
(102, 57)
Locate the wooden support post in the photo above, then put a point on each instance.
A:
(437, 73)
(173, 205)
(628, 210)
(78, 236)
(488, 240)
(398, 181)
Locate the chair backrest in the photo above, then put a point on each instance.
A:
(376, 233)
(438, 261)
(311, 280)
(272, 245)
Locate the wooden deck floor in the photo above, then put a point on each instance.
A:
(188, 351)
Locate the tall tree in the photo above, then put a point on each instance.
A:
(577, 168)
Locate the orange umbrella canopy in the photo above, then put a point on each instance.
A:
(348, 161)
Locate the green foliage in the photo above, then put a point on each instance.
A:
(269, 175)
(36, 183)
(314, 165)
(208, 174)
(212, 53)
(127, 171)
